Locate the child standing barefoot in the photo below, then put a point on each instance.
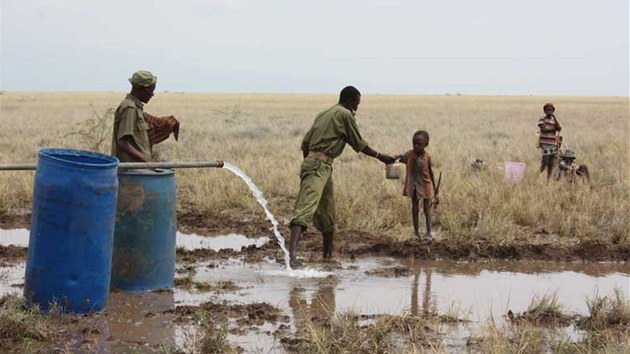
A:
(419, 181)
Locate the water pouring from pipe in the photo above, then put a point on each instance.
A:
(257, 193)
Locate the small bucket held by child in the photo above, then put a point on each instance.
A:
(392, 172)
(514, 171)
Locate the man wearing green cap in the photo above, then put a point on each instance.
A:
(568, 169)
(133, 129)
(325, 141)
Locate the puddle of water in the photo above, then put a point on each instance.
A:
(299, 273)
(476, 291)
(490, 289)
(12, 279)
(234, 242)
(16, 237)
(263, 203)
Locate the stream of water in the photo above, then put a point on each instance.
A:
(263, 203)
(257, 193)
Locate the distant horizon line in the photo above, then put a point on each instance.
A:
(317, 93)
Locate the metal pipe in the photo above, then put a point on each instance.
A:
(126, 165)
(17, 166)
(168, 164)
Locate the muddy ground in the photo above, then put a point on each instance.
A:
(349, 244)
(212, 295)
(11, 254)
(107, 332)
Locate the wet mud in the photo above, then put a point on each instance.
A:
(12, 254)
(389, 272)
(15, 221)
(262, 307)
(484, 250)
(247, 315)
(232, 221)
(350, 244)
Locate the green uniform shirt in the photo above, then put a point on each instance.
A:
(333, 128)
(129, 121)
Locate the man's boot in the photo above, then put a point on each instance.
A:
(328, 245)
(296, 232)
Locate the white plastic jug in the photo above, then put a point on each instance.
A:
(392, 172)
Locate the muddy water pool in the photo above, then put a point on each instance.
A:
(368, 285)
(235, 242)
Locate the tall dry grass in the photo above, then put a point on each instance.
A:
(603, 330)
(261, 134)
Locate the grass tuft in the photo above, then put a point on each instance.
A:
(543, 310)
(346, 333)
(19, 325)
(607, 312)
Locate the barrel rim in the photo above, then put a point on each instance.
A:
(54, 154)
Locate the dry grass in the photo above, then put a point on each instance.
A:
(546, 329)
(512, 339)
(208, 338)
(543, 310)
(20, 326)
(608, 312)
(343, 333)
(532, 339)
(261, 134)
(542, 329)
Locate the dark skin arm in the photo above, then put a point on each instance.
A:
(386, 159)
(126, 146)
(556, 128)
(435, 192)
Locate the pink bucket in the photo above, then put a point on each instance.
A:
(514, 171)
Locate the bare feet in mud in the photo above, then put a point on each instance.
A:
(428, 238)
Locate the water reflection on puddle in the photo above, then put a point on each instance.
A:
(232, 241)
(478, 290)
(12, 279)
(472, 290)
(19, 237)
(15, 237)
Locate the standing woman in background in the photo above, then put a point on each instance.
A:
(548, 140)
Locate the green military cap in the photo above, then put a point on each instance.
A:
(143, 78)
(569, 154)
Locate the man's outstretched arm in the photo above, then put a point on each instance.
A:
(384, 158)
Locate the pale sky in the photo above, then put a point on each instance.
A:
(538, 47)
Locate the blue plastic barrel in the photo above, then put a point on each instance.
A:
(146, 224)
(72, 230)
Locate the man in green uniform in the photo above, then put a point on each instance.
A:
(130, 141)
(325, 141)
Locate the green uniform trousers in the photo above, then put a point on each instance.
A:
(315, 201)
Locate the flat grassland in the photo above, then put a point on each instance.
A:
(261, 134)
